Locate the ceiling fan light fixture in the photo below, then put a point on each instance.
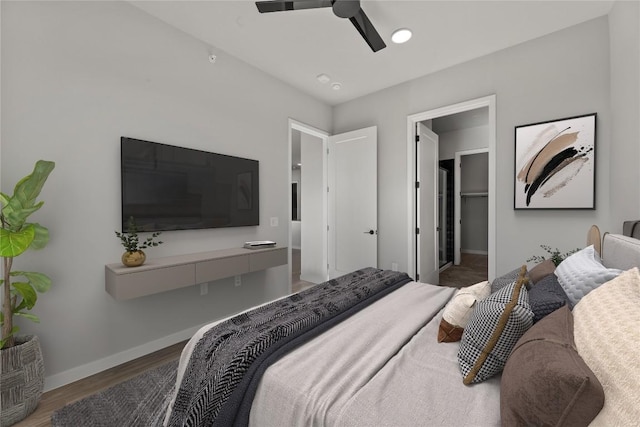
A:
(401, 35)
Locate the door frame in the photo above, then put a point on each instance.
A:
(324, 136)
(412, 221)
(457, 231)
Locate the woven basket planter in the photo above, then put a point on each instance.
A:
(21, 379)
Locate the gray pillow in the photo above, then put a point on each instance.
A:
(507, 279)
(546, 297)
(582, 272)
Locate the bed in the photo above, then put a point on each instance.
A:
(374, 348)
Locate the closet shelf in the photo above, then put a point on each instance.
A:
(479, 194)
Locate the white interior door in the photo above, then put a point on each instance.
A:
(353, 201)
(427, 197)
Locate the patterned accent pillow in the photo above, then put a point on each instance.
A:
(496, 324)
(546, 297)
(458, 311)
(507, 279)
(545, 381)
(582, 272)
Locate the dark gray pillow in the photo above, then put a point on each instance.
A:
(547, 296)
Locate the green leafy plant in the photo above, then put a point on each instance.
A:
(131, 241)
(554, 254)
(21, 288)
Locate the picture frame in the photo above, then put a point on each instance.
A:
(555, 164)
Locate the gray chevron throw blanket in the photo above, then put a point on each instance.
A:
(227, 363)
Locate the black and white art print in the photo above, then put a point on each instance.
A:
(555, 164)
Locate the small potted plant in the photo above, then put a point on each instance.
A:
(555, 255)
(134, 256)
(22, 367)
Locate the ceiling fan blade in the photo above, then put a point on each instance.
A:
(367, 31)
(284, 5)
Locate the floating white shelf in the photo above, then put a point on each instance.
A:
(168, 273)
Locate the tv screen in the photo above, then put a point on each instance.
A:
(172, 188)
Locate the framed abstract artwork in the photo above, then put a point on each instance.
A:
(555, 164)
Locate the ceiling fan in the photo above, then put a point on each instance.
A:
(342, 8)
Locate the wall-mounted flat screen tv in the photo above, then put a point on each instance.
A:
(165, 187)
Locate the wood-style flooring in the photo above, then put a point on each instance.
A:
(56, 399)
(473, 268)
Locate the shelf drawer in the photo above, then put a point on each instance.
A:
(263, 260)
(208, 271)
(140, 283)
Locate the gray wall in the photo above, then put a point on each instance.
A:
(475, 173)
(563, 74)
(474, 211)
(460, 140)
(625, 112)
(75, 77)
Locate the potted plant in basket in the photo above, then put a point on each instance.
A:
(134, 256)
(22, 367)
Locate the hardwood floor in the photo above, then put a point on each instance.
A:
(56, 399)
(472, 269)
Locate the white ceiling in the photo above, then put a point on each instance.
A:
(296, 46)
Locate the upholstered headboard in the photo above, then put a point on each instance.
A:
(620, 251)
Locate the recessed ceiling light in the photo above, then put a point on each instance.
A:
(336, 86)
(323, 78)
(401, 35)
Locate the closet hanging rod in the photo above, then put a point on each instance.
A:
(484, 194)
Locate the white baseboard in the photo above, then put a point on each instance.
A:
(444, 267)
(474, 251)
(80, 372)
(312, 278)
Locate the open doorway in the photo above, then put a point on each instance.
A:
(308, 201)
(417, 225)
(470, 219)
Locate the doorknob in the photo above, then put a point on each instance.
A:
(370, 232)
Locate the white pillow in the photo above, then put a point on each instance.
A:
(582, 272)
(457, 313)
